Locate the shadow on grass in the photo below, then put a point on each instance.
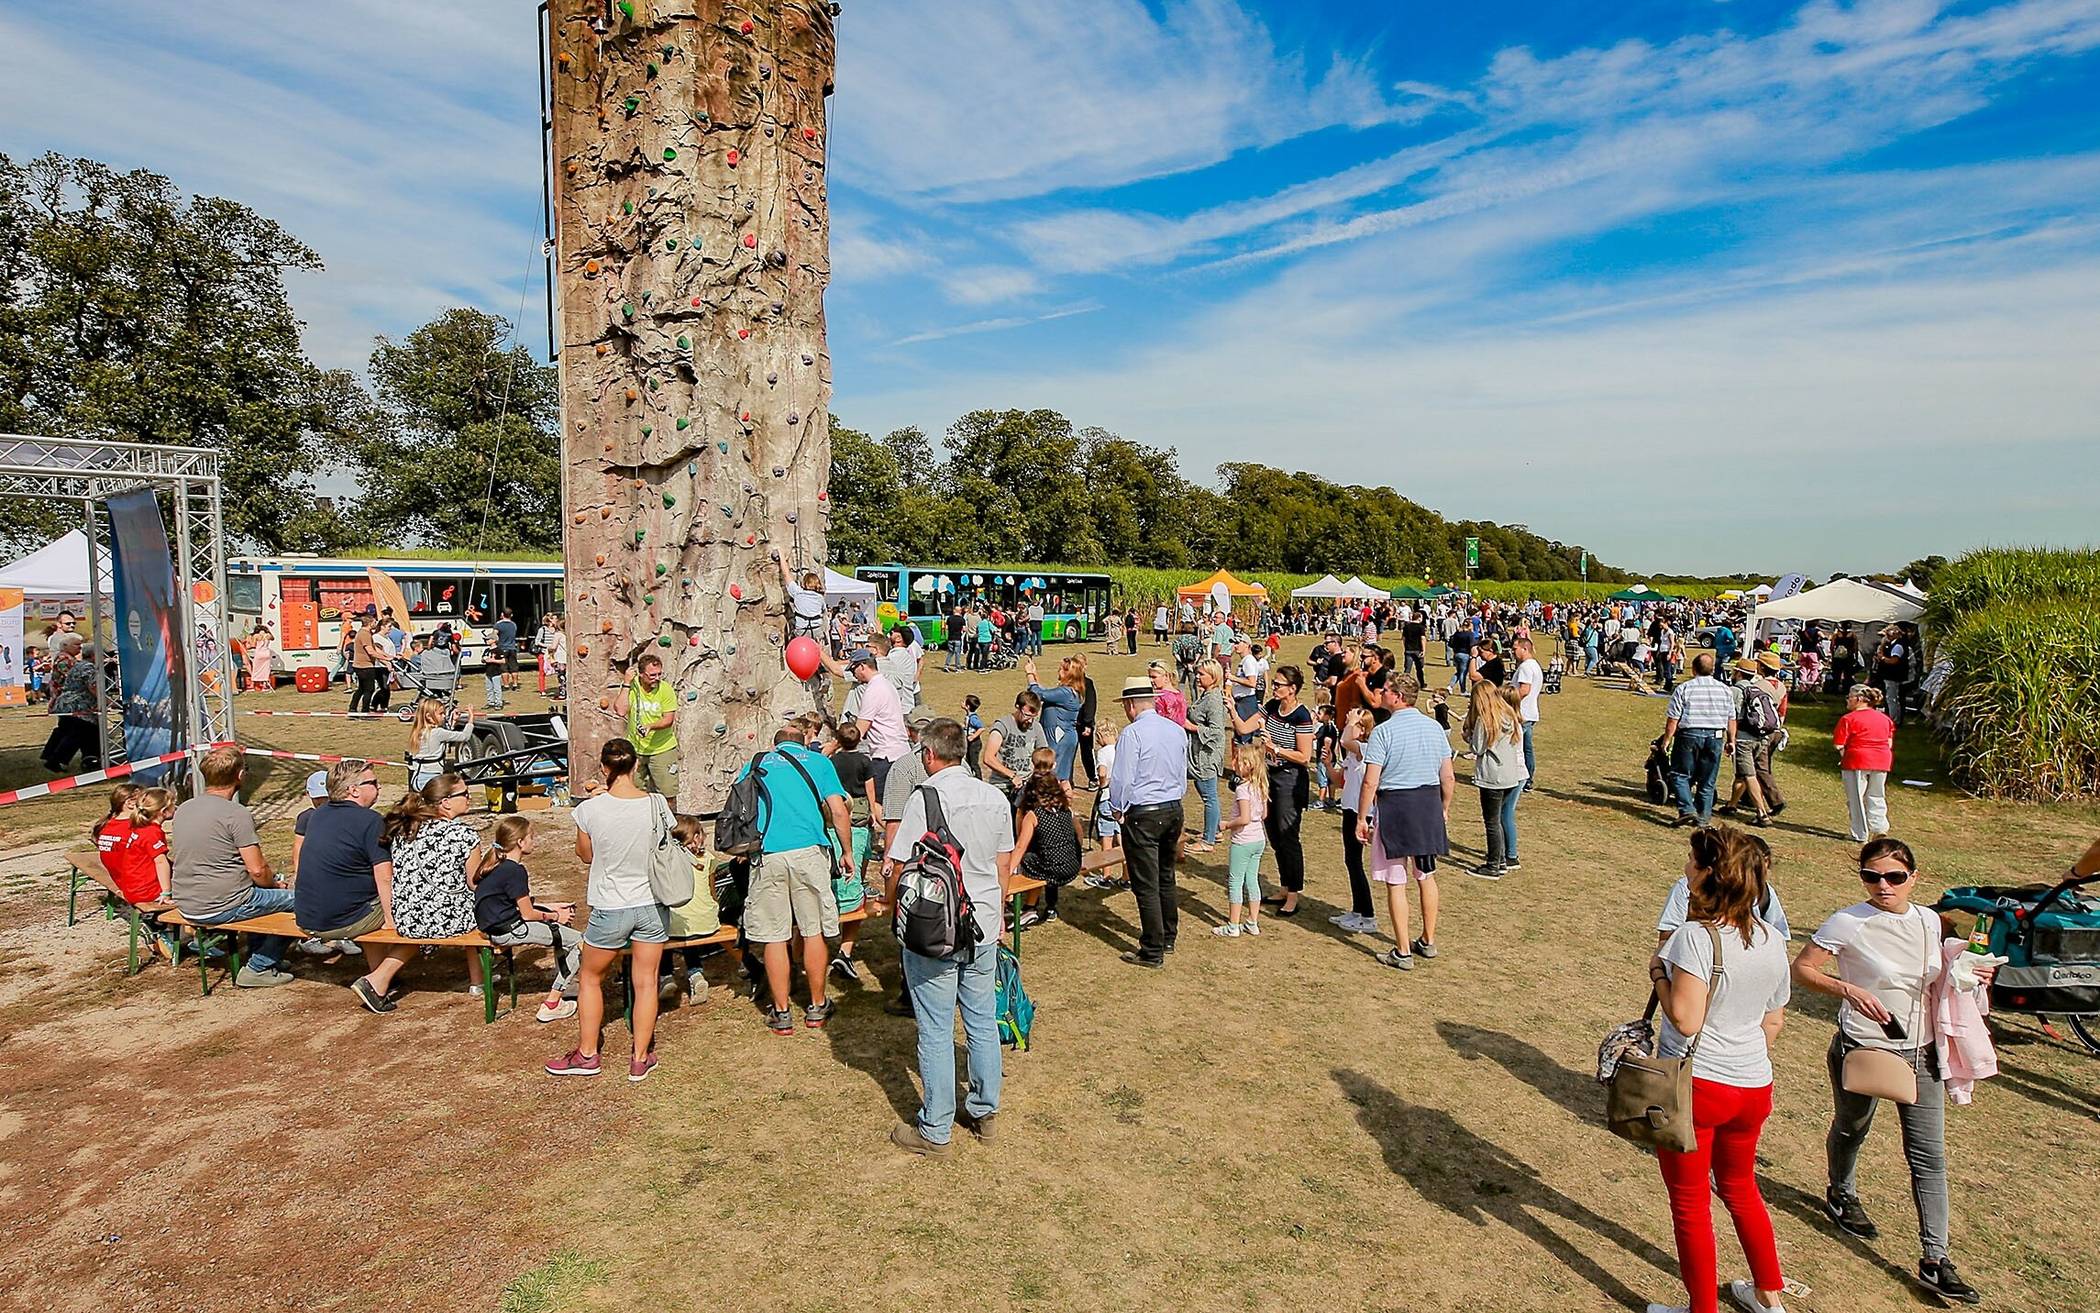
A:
(1477, 1180)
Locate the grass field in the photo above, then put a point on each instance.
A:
(1266, 1124)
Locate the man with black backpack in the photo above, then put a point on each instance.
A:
(950, 839)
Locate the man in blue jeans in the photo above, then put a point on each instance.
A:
(982, 822)
(219, 874)
(1699, 732)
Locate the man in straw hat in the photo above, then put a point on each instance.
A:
(1144, 794)
(1761, 706)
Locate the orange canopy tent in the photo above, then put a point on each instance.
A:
(1234, 587)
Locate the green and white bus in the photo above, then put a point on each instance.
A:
(1075, 603)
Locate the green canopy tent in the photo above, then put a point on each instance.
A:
(1438, 590)
(1640, 593)
(1409, 593)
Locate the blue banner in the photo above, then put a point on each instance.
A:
(149, 654)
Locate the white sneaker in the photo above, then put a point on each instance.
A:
(1743, 1291)
(474, 991)
(1362, 925)
(551, 1012)
(347, 947)
(1250, 928)
(1230, 930)
(1345, 920)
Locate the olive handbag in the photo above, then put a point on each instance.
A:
(1648, 1098)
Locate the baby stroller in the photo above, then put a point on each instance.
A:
(2049, 936)
(1555, 668)
(444, 688)
(1001, 656)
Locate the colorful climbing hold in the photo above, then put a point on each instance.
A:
(590, 266)
(683, 345)
(733, 158)
(663, 640)
(746, 28)
(669, 502)
(633, 395)
(627, 309)
(750, 241)
(638, 533)
(669, 154)
(661, 568)
(631, 104)
(583, 649)
(627, 8)
(648, 429)
(745, 417)
(809, 134)
(722, 447)
(742, 333)
(648, 599)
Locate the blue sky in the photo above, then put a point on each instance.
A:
(1698, 285)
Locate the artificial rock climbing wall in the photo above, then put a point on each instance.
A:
(693, 250)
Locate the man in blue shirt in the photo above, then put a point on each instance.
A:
(1406, 796)
(1144, 793)
(790, 891)
(507, 647)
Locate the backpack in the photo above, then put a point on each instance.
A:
(1760, 712)
(737, 830)
(934, 915)
(1011, 1003)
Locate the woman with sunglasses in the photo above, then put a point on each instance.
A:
(1886, 952)
(1284, 726)
(431, 845)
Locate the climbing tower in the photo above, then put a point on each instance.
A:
(692, 250)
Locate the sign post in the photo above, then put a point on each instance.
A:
(1472, 556)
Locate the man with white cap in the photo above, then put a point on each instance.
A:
(1144, 794)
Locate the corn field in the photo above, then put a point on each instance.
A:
(2021, 705)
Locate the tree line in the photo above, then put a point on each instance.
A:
(131, 312)
(1026, 485)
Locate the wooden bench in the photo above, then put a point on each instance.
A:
(284, 924)
(86, 871)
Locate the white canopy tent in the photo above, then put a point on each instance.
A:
(1327, 587)
(57, 569)
(1356, 590)
(839, 589)
(1843, 600)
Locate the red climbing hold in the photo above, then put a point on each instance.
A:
(743, 333)
(809, 134)
(696, 301)
(732, 158)
(751, 241)
(746, 29)
(736, 593)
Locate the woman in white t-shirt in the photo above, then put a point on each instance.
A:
(1886, 953)
(616, 834)
(1728, 1028)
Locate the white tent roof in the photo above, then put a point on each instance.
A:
(1843, 599)
(1357, 590)
(840, 589)
(1328, 586)
(1762, 590)
(57, 569)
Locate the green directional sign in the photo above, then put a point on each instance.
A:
(1472, 553)
(1585, 567)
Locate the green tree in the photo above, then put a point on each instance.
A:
(130, 313)
(864, 488)
(458, 449)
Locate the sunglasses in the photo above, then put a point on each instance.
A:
(1894, 879)
(368, 784)
(461, 794)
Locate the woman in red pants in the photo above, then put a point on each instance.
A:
(1732, 1007)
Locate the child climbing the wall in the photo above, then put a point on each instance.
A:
(1250, 797)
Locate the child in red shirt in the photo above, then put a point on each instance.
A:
(133, 846)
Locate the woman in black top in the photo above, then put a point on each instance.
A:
(1088, 705)
(1286, 727)
(1130, 632)
(1046, 841)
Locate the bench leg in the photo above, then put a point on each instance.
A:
(488, 986)
(204, 941)
(72, 895)
(131, 960)
(233, 956)
(510, 968)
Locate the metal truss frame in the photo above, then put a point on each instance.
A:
(85, 473)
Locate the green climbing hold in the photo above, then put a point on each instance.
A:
(627, 309)
(631, 104)
(684, 344)
(663, 640)
(670, 243)
(648, 599)
(669, 502)
(638, 534)
(661, 568)
(730, 650)
(652, 68)
(669, 154)
(627, 207)
(648, 429)
(682, 422)
(652, 385)
(627, 8)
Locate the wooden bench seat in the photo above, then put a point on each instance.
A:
(286, 925)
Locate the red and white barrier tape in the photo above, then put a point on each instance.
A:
(332, 715)
(317, 756)
(117, 772)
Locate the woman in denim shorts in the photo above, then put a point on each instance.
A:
(615, 833)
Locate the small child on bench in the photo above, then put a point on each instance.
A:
(505, 911)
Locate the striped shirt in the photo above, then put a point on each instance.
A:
(1703, 702)
(1409, 750)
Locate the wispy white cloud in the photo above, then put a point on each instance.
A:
(995, 325)
(972, 102)
(989, 284)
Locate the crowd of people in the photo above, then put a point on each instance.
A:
(1358, 728)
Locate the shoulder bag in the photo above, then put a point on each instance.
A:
(1885, 1073)
(670, 865)
(1648, 1098)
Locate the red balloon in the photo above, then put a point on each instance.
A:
(803, 657)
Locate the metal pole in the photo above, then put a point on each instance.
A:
(95, 635)
(185, 654)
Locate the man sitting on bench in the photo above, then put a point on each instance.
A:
(219, 874)
(346, 878)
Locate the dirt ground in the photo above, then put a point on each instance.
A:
(1268, 1123)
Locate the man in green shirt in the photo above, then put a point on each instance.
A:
(650, 706)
